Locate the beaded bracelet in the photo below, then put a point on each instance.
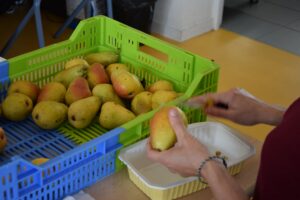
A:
(218, 158)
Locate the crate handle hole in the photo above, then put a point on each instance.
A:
(153, 52)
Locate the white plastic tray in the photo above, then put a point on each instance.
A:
(216, 136)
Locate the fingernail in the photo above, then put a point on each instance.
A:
(173, 113)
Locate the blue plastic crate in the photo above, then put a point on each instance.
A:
(69, 170)
(28, 141)
(4, 80)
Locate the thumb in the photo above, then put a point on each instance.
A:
(177, 124)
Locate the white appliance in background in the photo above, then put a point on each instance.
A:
(183, 19)
(98, 5)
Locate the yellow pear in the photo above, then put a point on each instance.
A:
(115, 67)
(126, 84)
(39, 161)
(142, 103)
(106, 93)
(82, 112)
(24, 87)
(16, 106)
(68, 75)
(74, 62)
(49, 114)
(162, 135)
(78, 89)
(105, 58)
(160, 85)
(53, 91)
(96, 75)
(113, 115)
(161, 97)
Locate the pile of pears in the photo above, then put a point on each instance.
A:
(96, 86)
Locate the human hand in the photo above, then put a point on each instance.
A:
(186, 157)
(240, 107)
(187, 154)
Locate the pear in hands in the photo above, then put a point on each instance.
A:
(162, 135)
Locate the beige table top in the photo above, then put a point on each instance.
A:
(119, 186)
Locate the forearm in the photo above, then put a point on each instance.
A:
(222, 184)
(271, 115)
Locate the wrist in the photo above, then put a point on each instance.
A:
(210, 169)
(209, 164)
(271, 115)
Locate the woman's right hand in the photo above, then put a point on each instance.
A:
(240, 107)
(186, 155)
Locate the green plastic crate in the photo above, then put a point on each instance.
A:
(189, 73)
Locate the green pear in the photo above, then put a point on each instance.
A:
(161, 97)
(162, 135)
(142, 103)
(115, 67)
(96, 74)
(3, 139)
(106, 93)
(49, 114)
(68, 75)
(16, 106)
(24, 87)
(82, 112)
(78, 89)
(160, 85)
(105, 58)
(53, 91)
(113, 115)
(126, 84)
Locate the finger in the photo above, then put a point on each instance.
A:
(151, 153)
(214, 98)
(197, 101)
(177, 124)
(218, 112)
(224, 97)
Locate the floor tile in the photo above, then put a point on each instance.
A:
(291, 4)
(272, 13)
(275, 22)
(247, 25)
(284, 38)
(295, 25)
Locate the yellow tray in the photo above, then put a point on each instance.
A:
(157, 182)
